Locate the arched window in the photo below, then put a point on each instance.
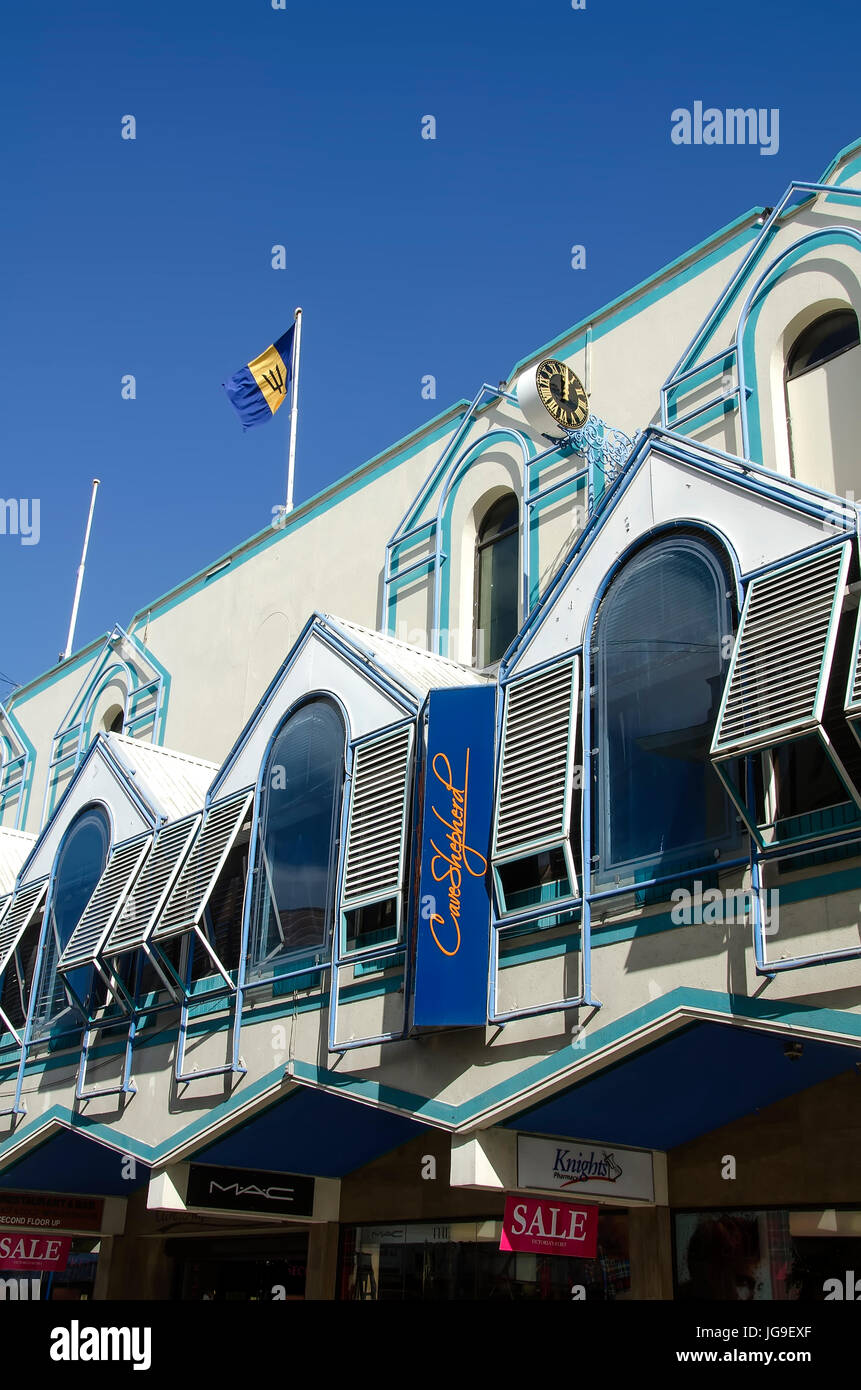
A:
(659, 664)
(497, 580)
(827, 337)
(79, 865)
(823, 402)
(114, 719)
(297, 843)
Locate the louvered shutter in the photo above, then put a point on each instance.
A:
(781, 662)
(106, 903)
(376, 831)
(853, 685)
(534, 803)
(22, 910)
(190, 894)
(132, 927)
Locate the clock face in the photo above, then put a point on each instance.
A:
(562, 394)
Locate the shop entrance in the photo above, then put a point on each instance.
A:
(240, 1269)
(462, 1260)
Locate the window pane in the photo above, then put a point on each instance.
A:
(80, 865)
(826, 338)
(498, 565)
(299, 832)
(660, 676)
(502, 517)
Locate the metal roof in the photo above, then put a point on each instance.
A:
(14, 848)
(173, 783)
(416, 668)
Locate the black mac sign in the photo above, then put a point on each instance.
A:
(247, 1189)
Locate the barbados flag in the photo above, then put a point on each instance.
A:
(260, 388)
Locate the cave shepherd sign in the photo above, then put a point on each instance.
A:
(454, 900)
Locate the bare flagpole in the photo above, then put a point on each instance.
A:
(294, 410)
(71, 637)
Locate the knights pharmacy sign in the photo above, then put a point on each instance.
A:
(453, 941)
(575, 1168)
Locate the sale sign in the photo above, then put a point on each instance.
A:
(542, 1226)
(21, 1251)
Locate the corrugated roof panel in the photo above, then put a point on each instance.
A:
(419, 669)
(174, 783)
(14, 848)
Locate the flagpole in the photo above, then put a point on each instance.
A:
(294, 410)
(80, 579)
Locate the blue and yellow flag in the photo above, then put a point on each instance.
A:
(258, 389)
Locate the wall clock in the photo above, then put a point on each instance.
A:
(552, 397)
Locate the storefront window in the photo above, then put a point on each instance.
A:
(462, 1260)
(77, 1282)
(727, 1256)
(241, 1269)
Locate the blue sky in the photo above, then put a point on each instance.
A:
(302, 127)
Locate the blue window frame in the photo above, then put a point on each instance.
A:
(296, 857)
(660, 658)
(79, 865)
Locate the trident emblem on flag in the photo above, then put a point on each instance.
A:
(274, 380)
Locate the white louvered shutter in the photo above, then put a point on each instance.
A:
(780, 665)
(537, 761)
(106, 903)
(192, 889)
(376, 831)
(853, 687)
(20, 914)
(134, 922)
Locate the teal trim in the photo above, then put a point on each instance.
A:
(838, 160)
(650, 291)
(701, 377)
(254, 1013)
(101, 681)
(26, 785)
(403, 581)
(57, 673)
(791, 211)
(533, 538)
(419, 537)
(547, 1070)
(316, 506)
(470, 456)
(718, 411)
(828, 237)
(805, 890)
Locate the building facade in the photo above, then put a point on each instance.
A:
(362, 906)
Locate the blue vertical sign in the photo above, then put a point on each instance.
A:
(452, 945)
